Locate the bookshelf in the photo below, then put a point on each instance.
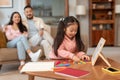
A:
(102, 21)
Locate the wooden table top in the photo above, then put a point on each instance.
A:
(96, 72)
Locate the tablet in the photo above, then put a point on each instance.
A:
(97, 52)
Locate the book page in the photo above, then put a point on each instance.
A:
(38, 66)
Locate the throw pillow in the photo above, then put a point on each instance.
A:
(3, 41)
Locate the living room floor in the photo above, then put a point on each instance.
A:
(10, 71)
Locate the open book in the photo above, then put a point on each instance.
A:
(38, 66)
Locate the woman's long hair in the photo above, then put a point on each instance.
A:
(21, 27)
(63, 24)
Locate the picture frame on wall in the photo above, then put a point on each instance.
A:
(6, 3)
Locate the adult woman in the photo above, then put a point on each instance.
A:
(16, 34)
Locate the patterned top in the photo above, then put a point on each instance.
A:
(11, 33)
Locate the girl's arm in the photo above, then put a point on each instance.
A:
(68, 55)
(65, 54)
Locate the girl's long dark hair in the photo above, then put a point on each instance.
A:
(63, 24)
(21, 27)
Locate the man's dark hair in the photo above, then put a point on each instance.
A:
(28, 6)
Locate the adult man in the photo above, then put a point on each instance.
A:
(37, 31)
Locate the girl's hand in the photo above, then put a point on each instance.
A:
(75, 58)
(85, 57)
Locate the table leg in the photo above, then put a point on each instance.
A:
(30, 77)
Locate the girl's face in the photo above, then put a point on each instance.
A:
(16, 18)
(71, 30)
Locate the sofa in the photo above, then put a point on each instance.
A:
(9, 55)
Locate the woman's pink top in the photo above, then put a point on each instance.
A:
(11, 33)
(66, 50)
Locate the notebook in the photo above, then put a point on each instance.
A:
(71, 72)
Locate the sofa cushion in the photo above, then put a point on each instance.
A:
(8, 54)
(2, 40)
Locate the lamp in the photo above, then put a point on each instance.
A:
(117, 9)
(80, 10)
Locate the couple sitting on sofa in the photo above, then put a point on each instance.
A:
(17, 35)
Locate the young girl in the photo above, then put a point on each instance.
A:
(16, 34)
(68, 43)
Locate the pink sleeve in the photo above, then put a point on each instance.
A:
(79, 54)
(52, 55)
(9, 34)
(64, 53)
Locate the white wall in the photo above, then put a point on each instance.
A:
(5, 13)
(72, 6)
(84, 20)
(56, 9)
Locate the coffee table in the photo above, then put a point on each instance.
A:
(96, 72)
